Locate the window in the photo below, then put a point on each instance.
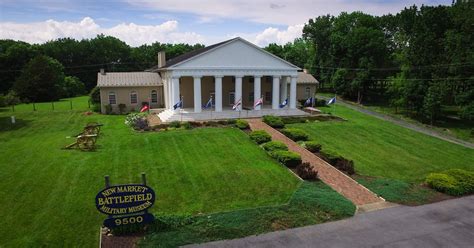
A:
(112, 99)
(268, 96)
(231, 98)
(133, 97)
(307, 92)
(154, 96)
(251, 98)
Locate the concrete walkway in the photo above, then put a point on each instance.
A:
(443, 224)
(337, 180)
(402, 123)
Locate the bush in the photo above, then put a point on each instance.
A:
(260, 136)
(175, 124)
(121, 107)
(274, 146)
(242, 124)
(443, 183)
(137, 121)
(295, 134)
(186, 125)
(273, 121)
(108, 109)
(289, 159)
(338, 161)
(312, 146)
(94, 96)
(231, 121)
(464, 178)
(306, 171)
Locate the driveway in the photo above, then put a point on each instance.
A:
(400, 122)
(444, 224)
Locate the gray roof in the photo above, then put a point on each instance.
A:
(128, 79)
(305, 78)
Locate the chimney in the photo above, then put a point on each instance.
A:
(161, 59)
(305, 71)
(102, 71)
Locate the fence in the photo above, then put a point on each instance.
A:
(63, 105)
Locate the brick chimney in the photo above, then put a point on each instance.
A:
(102, 71)
(161, 59)
(305, 71)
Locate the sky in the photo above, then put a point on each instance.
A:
(140, 22)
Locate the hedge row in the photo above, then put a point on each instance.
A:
(273, 121)
(452, 182)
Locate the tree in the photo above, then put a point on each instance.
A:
(41, 80)
(72, 86)
(432, 102)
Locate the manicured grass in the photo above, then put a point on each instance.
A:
(75, 103)
(312, 203)
(384, 150)
(47, 196)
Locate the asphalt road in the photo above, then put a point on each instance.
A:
(444, 224)
(400, 122)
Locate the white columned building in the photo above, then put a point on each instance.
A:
(229, 71)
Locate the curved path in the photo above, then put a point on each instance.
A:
(444, 224)
(403, 123)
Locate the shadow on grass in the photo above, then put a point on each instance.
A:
(6, 124)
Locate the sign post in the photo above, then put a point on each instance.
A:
(125, 204)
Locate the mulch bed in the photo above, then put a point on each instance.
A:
(125, 241)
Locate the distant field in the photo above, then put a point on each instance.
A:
(47, 196)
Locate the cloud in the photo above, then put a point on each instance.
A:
(281, 12)
(132, 34)
(272, 35)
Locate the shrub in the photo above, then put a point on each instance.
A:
(289, 159)
(242, 124)
(464, 178)
(312, 146)
(443, 183)
(136, 121)
(175, 124)
(338, 161)
(122, 107)
(108, 109)
(260, 136)
(231, 121)
(223, 122)
(306, 171)
(273, 121)
(94, 95)
(274, 146)
(186, 125)
(295, 134)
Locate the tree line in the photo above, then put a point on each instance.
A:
(67, 67)
(417, 60)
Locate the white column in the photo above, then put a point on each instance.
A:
(218, 93)
(283, 89)
(165, 92)
(238, 89)
(293, 93)
(175, 89)
(257, 89)
(197, 94)
(275, 92)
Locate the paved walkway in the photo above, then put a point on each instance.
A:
(443, 224)
(402, 123)
(337, 180)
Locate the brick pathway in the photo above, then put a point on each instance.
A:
(337, 180)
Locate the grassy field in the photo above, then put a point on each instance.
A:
(382, 149)
(47, 196)
(76, 103)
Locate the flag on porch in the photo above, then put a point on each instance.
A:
(144, 108)
(284, 103)
(208, 104)
(237, 104)
(331, 101)
(309, 101)
(178, 104)
(258, 103)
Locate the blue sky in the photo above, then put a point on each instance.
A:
(204, 21)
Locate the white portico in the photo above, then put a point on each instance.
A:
(228, 72)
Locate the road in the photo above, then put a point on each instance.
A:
(444, 224)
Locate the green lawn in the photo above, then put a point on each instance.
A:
(76, 103)
(47, 196)
(382, 149)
